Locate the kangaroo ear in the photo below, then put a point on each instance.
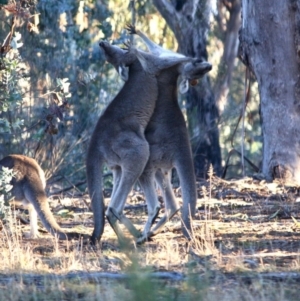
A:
(143, 62)
(184, 86)
(123, 72)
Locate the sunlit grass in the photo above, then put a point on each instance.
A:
(227, 259)
(19, 257)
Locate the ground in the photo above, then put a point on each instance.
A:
(245, 231)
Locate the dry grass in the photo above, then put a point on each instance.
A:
(245, 247)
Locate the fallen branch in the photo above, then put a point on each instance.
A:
(274, 276)
(97, 277)
(90, 277)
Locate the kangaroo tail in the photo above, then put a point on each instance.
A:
(187, 179)
(38, 199)
(94, 165)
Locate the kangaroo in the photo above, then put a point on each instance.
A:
(28, 186)
(118, 138)
(169, 144)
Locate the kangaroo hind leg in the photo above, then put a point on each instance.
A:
(132, 166)
(114, 212)
(117, 176)
(171, 204)
(146, 181)
(33, 216)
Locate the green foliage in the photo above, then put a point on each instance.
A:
(65, 45)
(11, 73)
(144, 8)
(38, 119)
(69, 50)
(51, 115)
(6, 175)
(143, 285)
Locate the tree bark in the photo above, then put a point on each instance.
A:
(270, 47)
(189, 20)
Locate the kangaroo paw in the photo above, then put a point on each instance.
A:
(130, 28)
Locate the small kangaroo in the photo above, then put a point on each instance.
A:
(28, 186)
(169, 144)
(118, 138)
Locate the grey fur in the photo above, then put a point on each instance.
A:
(169, 144)
(118, 139)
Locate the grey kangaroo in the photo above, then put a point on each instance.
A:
(118, 138)
(28, 186)
(169, 144)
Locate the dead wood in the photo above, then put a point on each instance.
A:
(98, 277)
(87, 277)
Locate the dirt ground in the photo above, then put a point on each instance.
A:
(241, 227)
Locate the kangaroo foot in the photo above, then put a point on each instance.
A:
(114, 217)
(144, 238)
(158, 227)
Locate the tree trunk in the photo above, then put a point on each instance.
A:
(229, 32)
(190, 22)
(270, 47)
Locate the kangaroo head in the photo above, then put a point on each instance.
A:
(121, 59)
(153, 64)
(195, 69)
(191, 72)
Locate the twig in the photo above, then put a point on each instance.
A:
(241, 114)
(132, 8)
(70, 187)
(246, 87)
(256, 169)
(96, 277)
(90, 277)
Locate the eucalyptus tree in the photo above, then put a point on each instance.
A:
(190, 21)
(270, 47)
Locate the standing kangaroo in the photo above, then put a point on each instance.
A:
(169, 144)
(118, 138)
(28, 185)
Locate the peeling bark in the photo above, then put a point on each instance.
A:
(270, 47)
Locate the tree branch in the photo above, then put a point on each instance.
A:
(168, 12)
(227, 63)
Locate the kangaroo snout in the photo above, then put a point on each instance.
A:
(103, 43)
(206, 66)
(196, 69)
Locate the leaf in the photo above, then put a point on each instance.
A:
(17, 124)
(17, 36)
(14, 44)
(59, 82)
(66, 87)
(65, 213)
